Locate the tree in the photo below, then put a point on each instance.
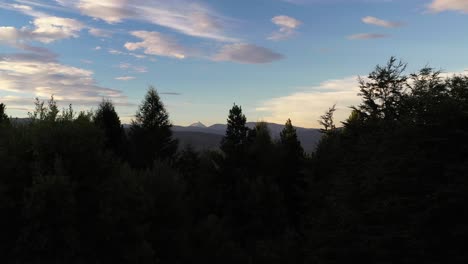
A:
(383, 90)
(235, 140)
(290, 142)
(327, 122)
(107, 119)
(45, 113)
(3, 117)
(291, 179)
(151, 132)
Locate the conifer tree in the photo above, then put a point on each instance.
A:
(327, 121)
(290, 142)
(236, 137)
(383, 89)
(151, 131)
(291, 179)
(107, 119)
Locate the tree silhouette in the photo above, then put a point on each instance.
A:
(236, 137)
(3, 117)
(327, 122)
(107, 119)
(151, 131)
(382, 90)
(292, 179)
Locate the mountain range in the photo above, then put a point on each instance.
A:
(202, 137)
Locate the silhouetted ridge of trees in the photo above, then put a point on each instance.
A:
(388, 186)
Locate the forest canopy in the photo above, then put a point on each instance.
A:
(388, 185)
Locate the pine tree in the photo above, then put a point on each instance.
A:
(290, 142)
(291, 179)
(151, 132)
(107, 119)
(235, 140)
(327, 121)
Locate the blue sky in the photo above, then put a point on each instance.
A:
(279, 59)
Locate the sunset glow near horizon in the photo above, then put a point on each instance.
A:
(278, 59)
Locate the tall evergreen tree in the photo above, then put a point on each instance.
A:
(107, 119)
(235, 140)
(291, 179)
(151, 132)
(290, 142)
(327, 121)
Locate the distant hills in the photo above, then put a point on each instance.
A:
(202, 137)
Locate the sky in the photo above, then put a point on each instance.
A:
(278, 59)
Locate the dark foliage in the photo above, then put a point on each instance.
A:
(390, 186)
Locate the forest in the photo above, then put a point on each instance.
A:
(388, 185)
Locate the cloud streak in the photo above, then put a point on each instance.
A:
(380, 22)
(184, 16)
(155, 43)
(36, 76)
(437, 6)
(247, 53)
(367, 36)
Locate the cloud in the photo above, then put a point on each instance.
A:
(40, 77)
(118, 52)
(184, 16)
(155, 43)
(125, 78)
(100, 33)
(288, 26)
(98, 48)
(46, 30)
(49, 29)
(128, 66)
(305, 107)
(448, 5)
(381, 23)
(367, 36)
(247, 53)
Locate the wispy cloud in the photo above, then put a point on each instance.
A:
(247, 53)
(45, 30)
(367, 36)
(125, 78)
(155, 43)
(448, 5)
(41, 77)
(133, 68)
(287, 27)
(380, 22)
(119, 52)
(100, 33)
(184, 16)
